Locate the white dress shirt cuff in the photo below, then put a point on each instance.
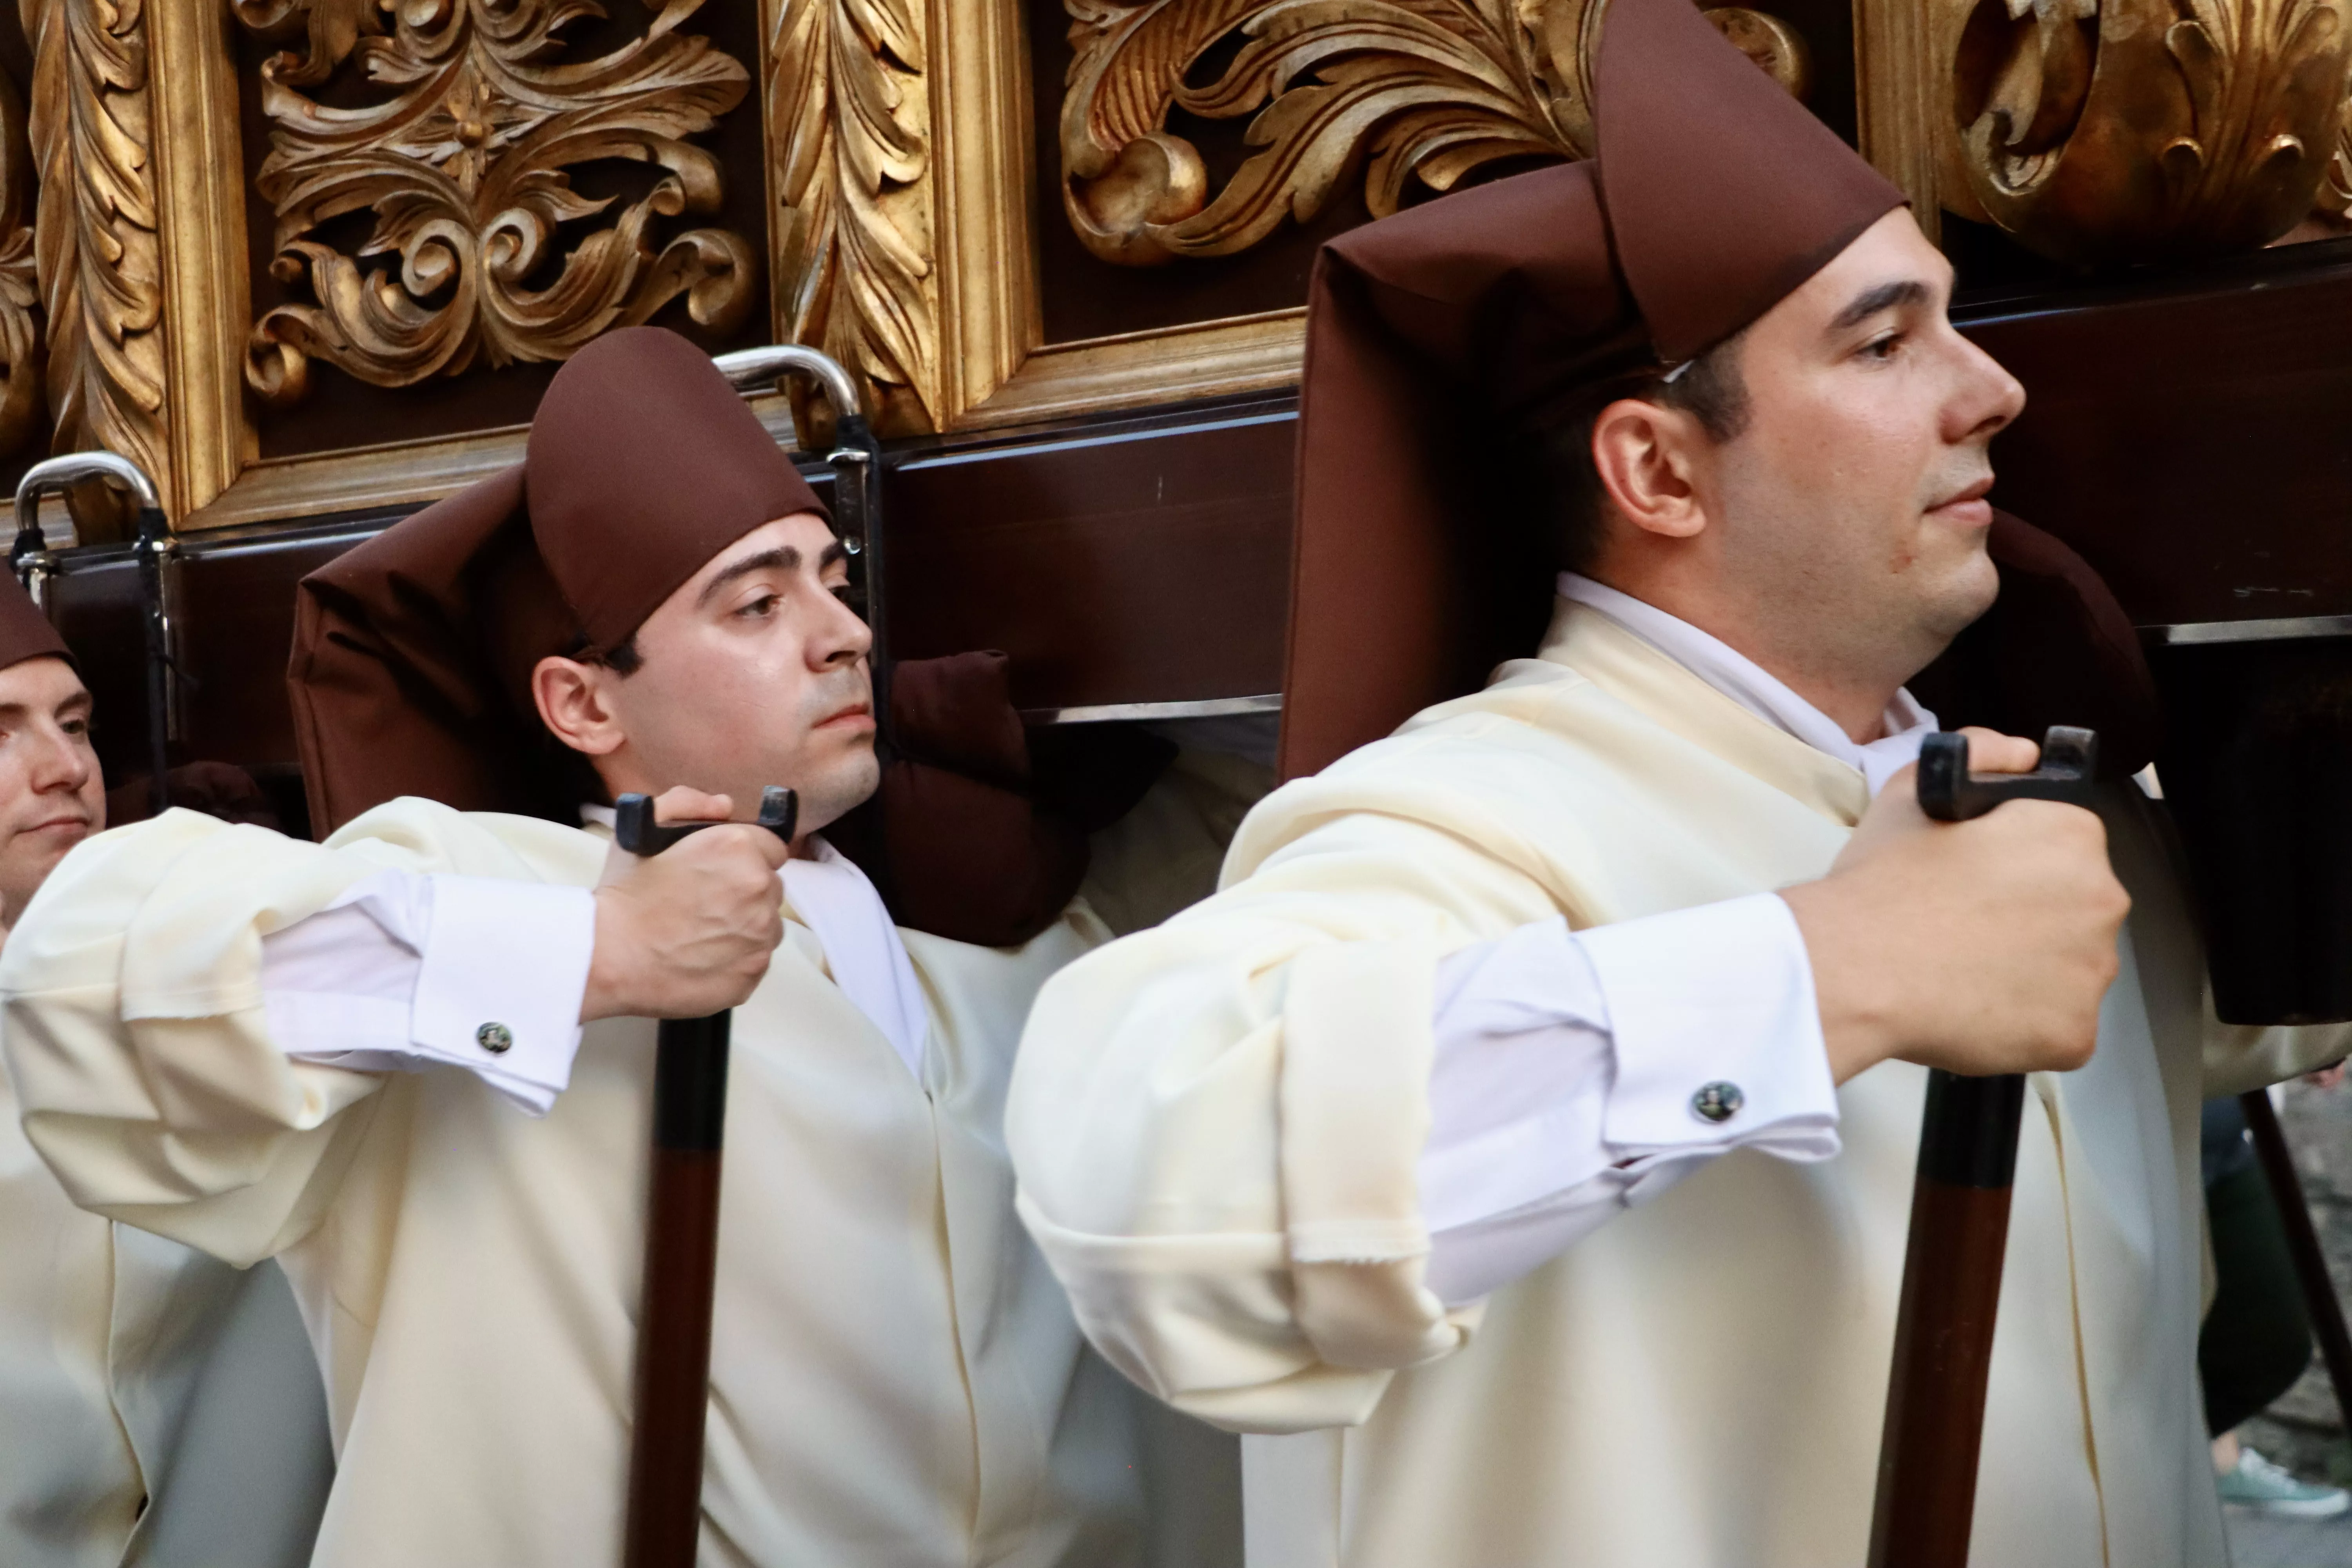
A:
(1717, 1033)
(406, 972)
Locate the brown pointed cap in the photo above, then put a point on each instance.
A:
(25, 632)
(643, 463)
(1724, 194)
(412, 652)
(1433, 334)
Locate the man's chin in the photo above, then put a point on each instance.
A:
(832, 793)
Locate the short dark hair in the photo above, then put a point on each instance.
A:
(622, 658)
(1553, 463)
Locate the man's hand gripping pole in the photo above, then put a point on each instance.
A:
(682, 1240)
(1960, 1225)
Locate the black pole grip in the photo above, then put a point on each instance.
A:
(1950, 793)
(636, 832)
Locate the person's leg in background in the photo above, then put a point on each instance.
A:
(2256, 1339)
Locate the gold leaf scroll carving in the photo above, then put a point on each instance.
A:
(96, 257)
(849, 137)
(464, 166)
(1405, 90)
(2099, 131)
(21, 369)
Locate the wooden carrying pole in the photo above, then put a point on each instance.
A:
(2319, 1299)
(1960, 1228)
(681, 1242)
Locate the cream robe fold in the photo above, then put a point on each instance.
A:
(896, 1378)
(1215, 1126)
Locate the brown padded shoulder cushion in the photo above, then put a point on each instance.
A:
(982, 824)
(2055, 648)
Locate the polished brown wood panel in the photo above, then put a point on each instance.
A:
(2188, 432)
(1138, 566)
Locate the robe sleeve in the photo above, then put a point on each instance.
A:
(136, 1035)
(1216, 1125)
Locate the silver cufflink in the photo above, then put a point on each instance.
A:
(1717, 1101)
(498, 1039)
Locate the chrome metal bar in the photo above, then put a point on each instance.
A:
(53, 474)
(752, 369)
(157, 554)
(1124, 712)
(856, 462)
(2287, 628)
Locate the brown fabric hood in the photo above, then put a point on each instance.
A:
(2055, 648)
(25, 632)
(1714, 193)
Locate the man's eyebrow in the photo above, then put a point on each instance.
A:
(835, 554)
(783, 558)
(1886, 297)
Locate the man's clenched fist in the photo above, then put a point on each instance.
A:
(690, 931)
(1978, 947)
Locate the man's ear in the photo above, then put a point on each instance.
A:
(572, 704)
(1644, 456)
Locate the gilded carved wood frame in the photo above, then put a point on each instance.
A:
(951, 337)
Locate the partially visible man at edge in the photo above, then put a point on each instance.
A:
(156, 1406)
(414, 1062)
(1344, 1155)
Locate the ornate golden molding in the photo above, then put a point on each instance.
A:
(2135, 130)
(21, 400)
(97, 253)
(464, 166)
(849, 134)
(1407, 89)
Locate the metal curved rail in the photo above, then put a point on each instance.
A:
(749, 369)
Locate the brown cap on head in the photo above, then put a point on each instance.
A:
(1724, 195)
(643, 463)
(412, 652)
(1432, 333)
(25, 632)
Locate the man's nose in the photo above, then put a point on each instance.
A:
(58, 762)
(843, 637)
(1988, 397)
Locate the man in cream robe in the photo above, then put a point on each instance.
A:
(156, 1406)
(368, 1060)
(1702, 1380)
(1497, 1147)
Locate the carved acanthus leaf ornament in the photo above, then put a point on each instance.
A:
(464, 167)
(2129, 130)
(21, 400)
(96, 255)
(850, 135)
(1407, 89)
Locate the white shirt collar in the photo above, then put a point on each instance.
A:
(862, 946)
(1745, 682)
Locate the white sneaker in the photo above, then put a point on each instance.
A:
(2266, 1488)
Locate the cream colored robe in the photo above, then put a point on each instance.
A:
(895, 1376)
(121, 1356)
(1216, 1125)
